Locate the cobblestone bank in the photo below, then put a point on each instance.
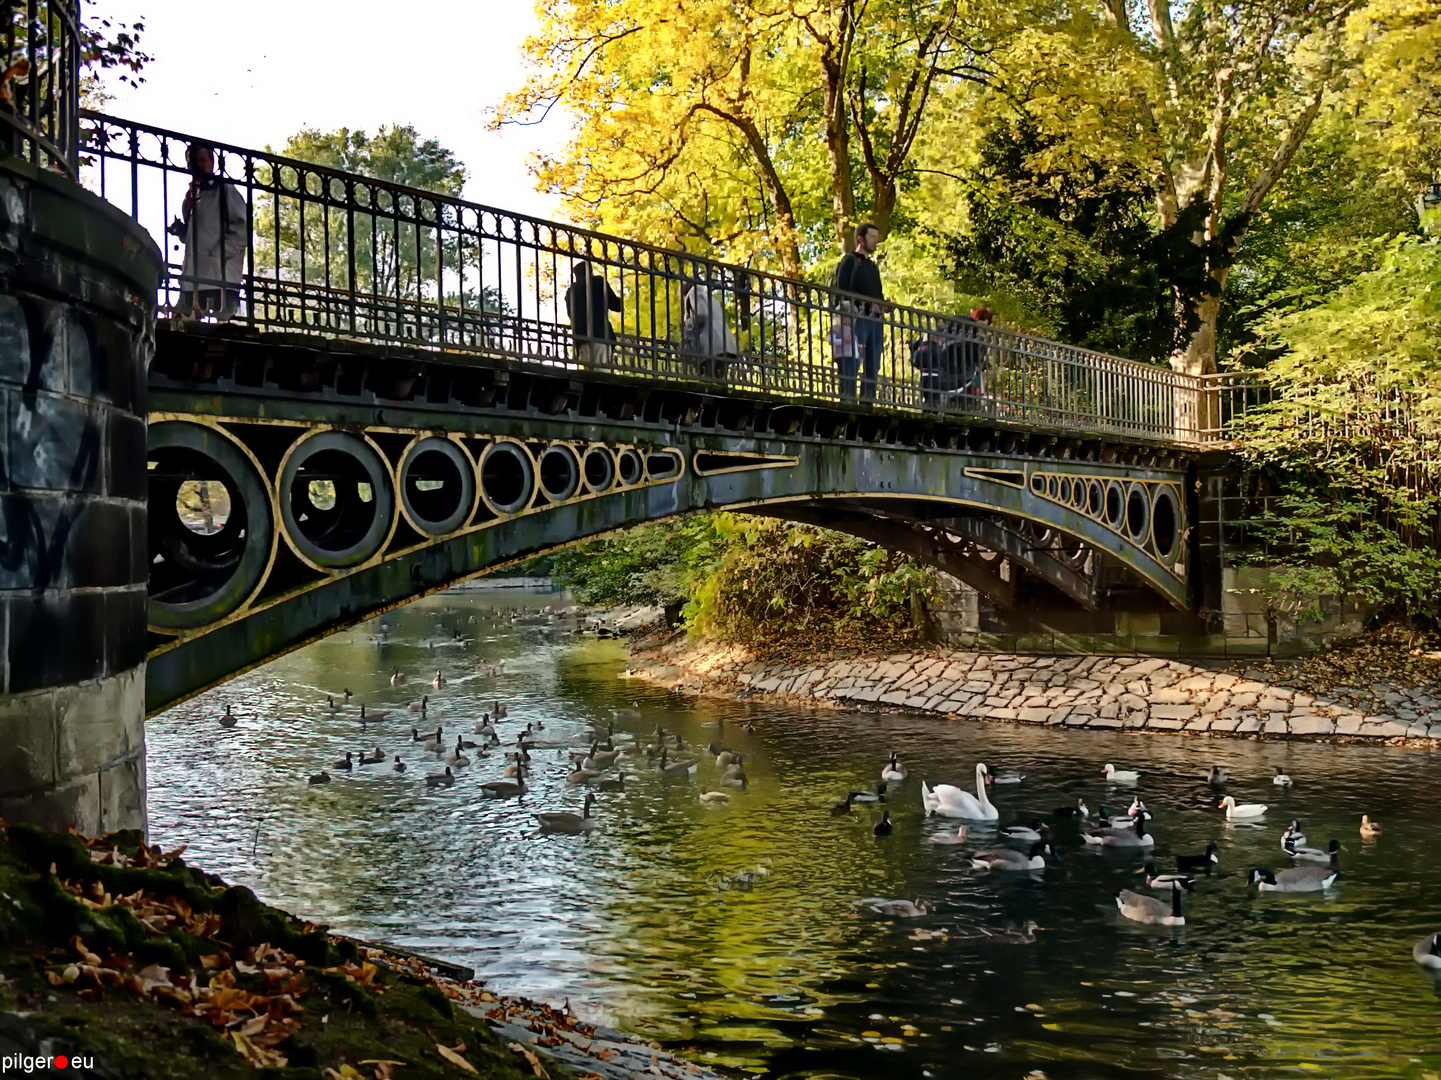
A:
(1100, 692)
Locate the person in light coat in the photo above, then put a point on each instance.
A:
(704, 332)
(214, 225)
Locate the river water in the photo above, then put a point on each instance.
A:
(783, 979)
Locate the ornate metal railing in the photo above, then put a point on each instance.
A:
(39, 81)
(296, 246)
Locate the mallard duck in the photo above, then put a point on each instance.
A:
(439, 679)
(445, 779)
(899, 909)
(842, 807)
(1331, 853)
(1010, 859)
(501, 789)
(1024, 936)
(374, 759)
(894, 771)
(1147, 909)
(1296, 879)
(457, 757)
(399, 765)
(1024, 832)
(343, 763)
(883, 827)
(1218, 775)
(372, 717)
(879, 795)
(1157, 880)
(714, 796)
(1008, 778)
(1293, 836)
(633, 713)
(1369, 828)
(950, 801)
(1079, 810)
(1427, 951)
(958, 837)
(618, 784)
(420, 706)
(1203, 861)
(564, 821)
(396, 676)
(320, 778)
(1113, 837)
(1235, 810)
(226, 720)
(1281, 779)
(1114, 775)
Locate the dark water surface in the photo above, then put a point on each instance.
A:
(784, 979)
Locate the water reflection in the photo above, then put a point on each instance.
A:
(630, 925)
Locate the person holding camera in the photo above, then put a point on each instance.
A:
(214, 226)
(858, 275)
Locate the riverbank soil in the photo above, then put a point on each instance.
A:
(1385, 687)
(123, 955)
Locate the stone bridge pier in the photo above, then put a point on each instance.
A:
(77, 312)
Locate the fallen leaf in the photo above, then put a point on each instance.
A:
(256, 1056)
(455, 1059)
(529, 1055)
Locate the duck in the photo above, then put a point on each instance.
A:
(950, 801)
(396, 676)
(1106, 821)
(1008, 778)
(1204, 861)
(421, 705)
(566, 821)
(502, 789)
(1147, 909)
(227, 720)
(1078, 811)
(714, 796)
(457, 758)
(1296, 879)
(348, 692)
(1010, 859)
(1114, 775)
(1329, 854)
(899, 909)
(321, 777)
(1157, 880)
(372, 717)
(1218, 775)
(374, 759)
(883, 827)
(618, 784)
(894, 771)
(439, 680)
(1024, 832)
(1427, 951)
(842, 807)
(1293, 835)
(957, 837)
(1126, 838)
(399, 765)
(1235, 810)
(1281, 779)
(1024, 936)
(1369, 829)
(633, 713)
(879, 795)
(580, 776)
(1137, 808)
(343, 763)
(445, 779)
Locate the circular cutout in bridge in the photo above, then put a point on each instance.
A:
(336, 499)
(1095, 498)
(437, 485)
(1138, 513)
(1166, 524)
(507, 477)
(1115, 505)
(631, 466)
(208, 554)
(599, 469)
(559, 472)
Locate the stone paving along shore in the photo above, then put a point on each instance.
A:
(1097, 692)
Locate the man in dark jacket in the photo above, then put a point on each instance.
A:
(588, 302)
(859, 276)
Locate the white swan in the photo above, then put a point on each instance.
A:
(950, 801)
(1120, 776)
(1241, 810)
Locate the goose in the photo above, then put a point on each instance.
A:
(1369, 828)
(344, 763)
(950, 801)
(514, 768)
(349, 693)
(1009, 859)
(228, 721)
(1147, 909)
(618, 784)
(899, 909)
(396, 677)
(445, 779)
(607, 733)
(883, 827)
(600, 759)
(1024, 832)
(421, 705)
(1281, 779)
(1024, 936)
(894, 771)
(727, 758)
(1079, 810)
(879, 795)
(458, 758)
(633, 713)
(1120, 776)
(330, 705)
(1329, 854)
(1293, 835)
(1296, 879)
(842, 808)
(434, 742)
(1124, 838)
(399, 765)
(735, 779)
(372, 717)
(439, 680)
(374, 759)
(958, 837)
(321, 777)
(1236, 810)
(502, 789)
(565, 821)
(714, 796)
(1427, 951)
(679, 768)
(484, 727)
(499, 711)
(1157, 880)
(1198, 862)
(580, 776)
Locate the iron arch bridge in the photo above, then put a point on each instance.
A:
(411, 389)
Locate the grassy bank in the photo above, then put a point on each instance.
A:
(121, 953)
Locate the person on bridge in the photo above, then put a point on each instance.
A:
(589, 301)
(214, 225)
(704, 332)
(859, 276)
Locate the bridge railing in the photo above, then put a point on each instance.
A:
(304, 247)
(39, 87)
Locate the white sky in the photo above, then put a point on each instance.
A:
(253, 72)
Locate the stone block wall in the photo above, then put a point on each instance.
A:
(77, 308)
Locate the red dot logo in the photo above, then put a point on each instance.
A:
(62, 1061)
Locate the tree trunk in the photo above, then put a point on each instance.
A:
(838, 148)
(884, 207)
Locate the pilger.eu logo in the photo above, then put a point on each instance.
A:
(14, 1064)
